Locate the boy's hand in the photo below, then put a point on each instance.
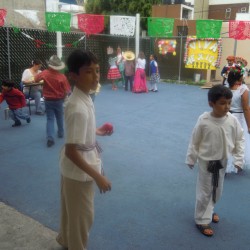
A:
(103, 184)
(238, 168)
(190, 166)
(105, 129)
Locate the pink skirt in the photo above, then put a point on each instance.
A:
(114, 74)
(140, 81)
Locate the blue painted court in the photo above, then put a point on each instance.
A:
(151, 204)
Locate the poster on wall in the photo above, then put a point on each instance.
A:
(203, 53)
(167, 46)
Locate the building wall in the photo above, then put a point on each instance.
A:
(173, 11)
(218, 12)
(201, 9)
(169, 11)
(216, 2)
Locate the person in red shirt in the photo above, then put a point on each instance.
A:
(16, 101)
(56, 87)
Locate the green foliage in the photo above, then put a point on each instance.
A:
(122, 7)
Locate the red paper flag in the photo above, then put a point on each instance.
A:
(3, 13)
(90, 24)
(239, 30)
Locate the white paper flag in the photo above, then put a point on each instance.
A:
(122, 25)
(31, 15)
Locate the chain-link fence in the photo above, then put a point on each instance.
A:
(18, 49)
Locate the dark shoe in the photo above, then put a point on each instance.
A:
(60, 136)
(50, 143)
(28, 120)
(39, 113)
(155, 90)
(17, 124)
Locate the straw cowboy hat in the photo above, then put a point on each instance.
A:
(129, 55)
(242, 60)
(55, 63)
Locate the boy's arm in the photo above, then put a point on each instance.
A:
(239, 146)
(192, 152)
(74, 155)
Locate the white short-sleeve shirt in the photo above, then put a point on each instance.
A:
(141, 63)
(27, 76)
(80, 129)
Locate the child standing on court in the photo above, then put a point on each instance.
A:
(216, 135)
(154, 74)
(80, 161)
(16, 101)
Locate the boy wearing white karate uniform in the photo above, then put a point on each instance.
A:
(216, 135)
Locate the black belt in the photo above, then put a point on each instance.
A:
(232, 112)
(214, 168)
(53, 100)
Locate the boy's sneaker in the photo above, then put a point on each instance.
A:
(28, 120)
(17, 124)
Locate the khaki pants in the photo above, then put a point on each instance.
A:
(77, 213)
(204, 206)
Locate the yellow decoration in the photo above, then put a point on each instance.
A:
(202, 54)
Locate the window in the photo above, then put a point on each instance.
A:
(243, 10)
(228, 13)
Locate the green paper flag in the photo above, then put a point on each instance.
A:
(160, 27)
(208, 28)
(56, 21)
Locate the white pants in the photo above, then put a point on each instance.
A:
(204, 206)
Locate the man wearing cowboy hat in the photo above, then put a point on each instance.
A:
(129, 68)
(56, 87)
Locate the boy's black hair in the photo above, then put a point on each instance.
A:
(8, 83)
(218, 91)
(79, 58)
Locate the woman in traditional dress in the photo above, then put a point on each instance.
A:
(140, 81)
(240, 109)
(113, 73)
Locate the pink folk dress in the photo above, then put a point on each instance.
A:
(140, 81)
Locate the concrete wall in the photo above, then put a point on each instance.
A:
(20, 21)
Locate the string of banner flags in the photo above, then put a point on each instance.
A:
(125, 25)
(203, 51)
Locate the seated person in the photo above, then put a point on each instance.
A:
(35, 91)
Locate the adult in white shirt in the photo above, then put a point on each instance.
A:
(36, 91)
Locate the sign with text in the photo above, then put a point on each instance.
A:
(203, 53)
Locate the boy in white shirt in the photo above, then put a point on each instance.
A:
(80, 160)
(216, 135)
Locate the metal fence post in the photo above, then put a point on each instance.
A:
(8, 52)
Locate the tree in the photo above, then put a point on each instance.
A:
(122, 7)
